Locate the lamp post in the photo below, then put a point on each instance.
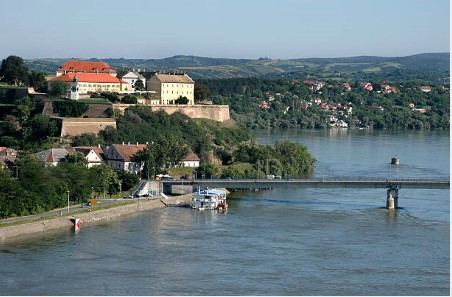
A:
(67, 201)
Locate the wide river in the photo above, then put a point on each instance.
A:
(293, 241)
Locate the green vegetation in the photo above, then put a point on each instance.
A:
(282, 103)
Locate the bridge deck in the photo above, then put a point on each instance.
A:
(315, 183)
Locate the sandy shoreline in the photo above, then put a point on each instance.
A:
(21, 230)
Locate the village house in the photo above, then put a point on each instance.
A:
(121, 157)
(52, 157)
(426, 89)
(191, 160)
(169, 87)
(92, 154)
(367, 86)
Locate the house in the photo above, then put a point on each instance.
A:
(132, 77)
(426, 89)
(170, 86)
(86, 83)
(367, 86)
(73, 66)
(191, 160)
(52, 156)
(121, 157)
(92, 154)
(8, 158)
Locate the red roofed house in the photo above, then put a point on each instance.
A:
(85, 83)
(85, 67)
(122, 157)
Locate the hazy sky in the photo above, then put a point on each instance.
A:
(278, 29)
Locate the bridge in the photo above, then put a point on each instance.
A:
(392, 185)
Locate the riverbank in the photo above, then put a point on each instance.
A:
(27, 229)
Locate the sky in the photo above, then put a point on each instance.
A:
(248, 29)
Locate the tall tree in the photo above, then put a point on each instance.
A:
(13, 71)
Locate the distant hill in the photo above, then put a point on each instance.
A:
(212, 68)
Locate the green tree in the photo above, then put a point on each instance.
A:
(201, 92)
(182, 100)
(38, 81)
(58, 88)
(86, 139)
(129, 99)
(139, 85)
(13, 71)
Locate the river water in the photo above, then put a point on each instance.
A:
(282, 242)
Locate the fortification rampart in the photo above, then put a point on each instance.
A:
(219, 113)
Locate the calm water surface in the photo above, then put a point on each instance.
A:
(281, 242)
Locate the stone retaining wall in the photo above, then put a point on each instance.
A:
(22, 230)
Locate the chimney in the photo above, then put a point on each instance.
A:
(137, 142)
(128, 143)
(123, 143)
(98, 146)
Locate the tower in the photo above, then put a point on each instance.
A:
(74, 88)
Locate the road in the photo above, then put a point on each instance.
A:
(72, 208)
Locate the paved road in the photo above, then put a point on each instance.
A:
(72, 208)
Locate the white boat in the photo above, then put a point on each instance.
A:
(209, 199)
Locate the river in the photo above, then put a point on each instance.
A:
(293, 241)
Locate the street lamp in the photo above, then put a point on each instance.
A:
(67, 201)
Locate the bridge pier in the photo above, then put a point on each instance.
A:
(392, 198)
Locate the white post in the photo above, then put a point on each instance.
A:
(67, 201)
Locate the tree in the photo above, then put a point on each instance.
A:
(129, 99)
(139, 85)
(58, 88)
(38, 81)
(182, 100)
(86, 139)
(13, 71)
(201, 92)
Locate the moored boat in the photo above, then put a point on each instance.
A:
(209, 199)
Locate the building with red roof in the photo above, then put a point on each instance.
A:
(94, 82)
(85, 67)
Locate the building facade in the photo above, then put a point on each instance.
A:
(132, 77)
(86, 83)
(169, 87)
(121, 157)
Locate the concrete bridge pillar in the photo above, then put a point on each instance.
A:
(392, 198)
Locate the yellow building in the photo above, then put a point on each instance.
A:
(169, 87)
(94, 82)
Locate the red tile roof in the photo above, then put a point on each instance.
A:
(86, 66)
(128, 151)
(89, 78)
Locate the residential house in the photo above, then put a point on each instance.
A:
(132, 77)
(169, 87)
(92, 154)
(426, 89)
(191, 160)
(121, 157)
(367, 86)
(52, 156)
(73, 66)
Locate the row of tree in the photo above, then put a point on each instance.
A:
(34, 188)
